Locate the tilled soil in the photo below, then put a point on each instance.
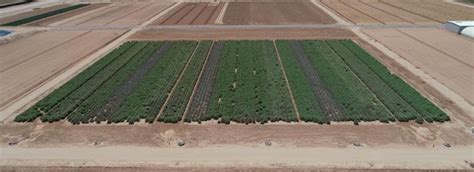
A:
(423, 53)
(438, 11)
(27, 75)
(241, 34)
(191, 14)
(408, 16)
(348, 12)
(301, 12)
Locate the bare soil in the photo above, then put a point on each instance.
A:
(438, 11)
(191, 14)
(439, 65)
(30, 73)
(401, 13)
(349, 13)
(300, 12)
(241, 34)
(379, 15)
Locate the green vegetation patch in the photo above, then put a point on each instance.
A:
(44, 15)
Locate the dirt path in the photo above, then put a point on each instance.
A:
(221, 15)
(408, 158)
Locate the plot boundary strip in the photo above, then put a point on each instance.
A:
(176, 83)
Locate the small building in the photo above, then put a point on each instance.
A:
(468, 31)
(458, 26)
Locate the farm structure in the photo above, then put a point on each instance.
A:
(44, 56)
(192, 14)
(398, 11)
(443, 57)
(194, 81)
(299, 12)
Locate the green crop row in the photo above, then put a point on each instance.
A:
(427, 109)
(69, 103)
(354, 97)
(85, 112)
(397, 105)
(174, 109)
(44, 15)
(250, 85)
(44, 105)
(306, 102)
(148, 98)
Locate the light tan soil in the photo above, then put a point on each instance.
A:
(452, 73)
(349, 13)
(430, 10)
(241, 34)
(59, 17)
(406, 15)
(379, 15)
(31, 13)
(191, 14)
(142, 15)
(301, 12)
(24, 77)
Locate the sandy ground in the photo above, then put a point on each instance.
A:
(408, 145)
(436, 10)
(241, 34)
(302, 12)
(443, 65)
(22, 76)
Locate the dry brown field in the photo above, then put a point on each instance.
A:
(31, 13)
(59, 17)
(191, 14)
(398, 12)
(24, 71)
(439, 56)
(241, 34)
(115, 15)
(301, 12)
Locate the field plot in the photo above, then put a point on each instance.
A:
(191, 14)
(398, 12)
(115, 15)
(49, 20)
(235, 81)
(31, 13)
(46, 55)
(441, 57)
(301, 12)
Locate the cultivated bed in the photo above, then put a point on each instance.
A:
(172, 81)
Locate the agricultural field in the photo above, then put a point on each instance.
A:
(45, 56)
(196, 81)
(112, 15)
(398, 11)
(192, 14)
(299, 12)
(30, 14)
